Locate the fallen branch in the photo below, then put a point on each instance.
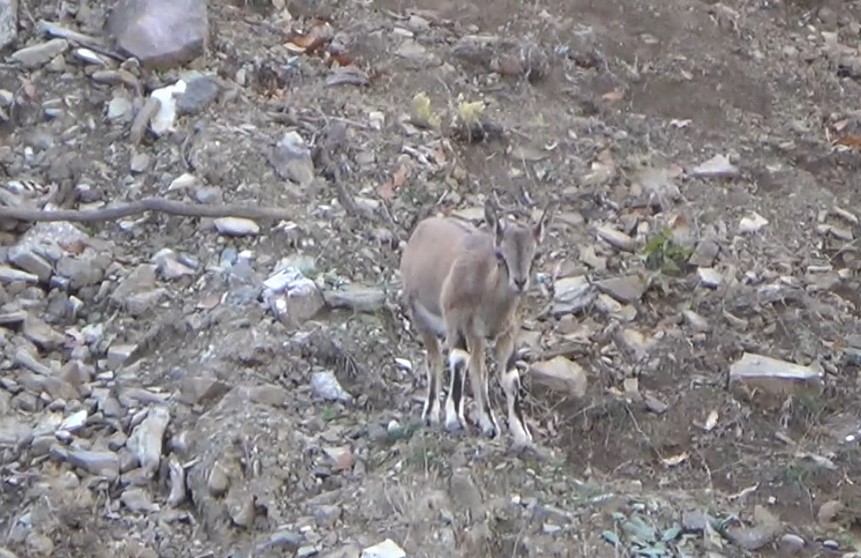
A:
(159, 205)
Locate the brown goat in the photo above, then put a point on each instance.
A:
(466, 284)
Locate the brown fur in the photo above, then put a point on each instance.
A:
(466, 284)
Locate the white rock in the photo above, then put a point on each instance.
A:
(165, 118)
(183, 181)
(8, 22)
(74, 422)
(717, 166)
(752, 223)
(236, 226)
(386, 549)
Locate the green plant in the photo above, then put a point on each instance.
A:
(665, 255)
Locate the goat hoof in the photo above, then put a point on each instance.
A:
(490, 431)
(454, 425)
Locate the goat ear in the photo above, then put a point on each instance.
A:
(493, 221)
(541, 226)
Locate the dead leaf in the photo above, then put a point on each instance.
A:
(613, 96)
(398, 179)
(340, 58)
(849, 140)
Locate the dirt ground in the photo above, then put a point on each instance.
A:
(581, 96)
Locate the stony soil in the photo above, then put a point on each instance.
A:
(702, 160)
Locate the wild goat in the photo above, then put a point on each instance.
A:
(466, 284)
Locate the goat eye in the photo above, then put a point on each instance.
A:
(500, 256)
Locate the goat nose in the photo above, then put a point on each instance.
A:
(520, 284)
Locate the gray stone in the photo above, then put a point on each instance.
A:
(120, 109)
(326, 386)
(139, 163)
(615, 238)
(791, 544)
(137, 500)
(355, 297)
(32, 263)
(291, 159)
(572, 294)
(194, 390)
(141, 279)
(119, 354)
(561, 374)
(35, 56)
(42, 334)
(625, 289)
(710, 277)
(12, 275)
(704, 254)
(84, 270)
(146, 439)
(292, 297)
(102, 463)
(13, 431)
(160, 33)
(199, 93)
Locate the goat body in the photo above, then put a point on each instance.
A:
(465, 285)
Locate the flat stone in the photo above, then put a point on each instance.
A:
(710, 277)
(141, 279)
(356, 297)
(12, 275)
(791, 544)
(773, 375)
(102, 463)
(625, 289)
(160, 33)
(697, 322)
(561, 374)
(195, 390)
(139, 163)
(616, 238)
(32, 263)
(13, 431)
(120, 109)
(137, 500)
(42, 335)
(35, 56)
(704, 254)
(716, 167)
(199, 93)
